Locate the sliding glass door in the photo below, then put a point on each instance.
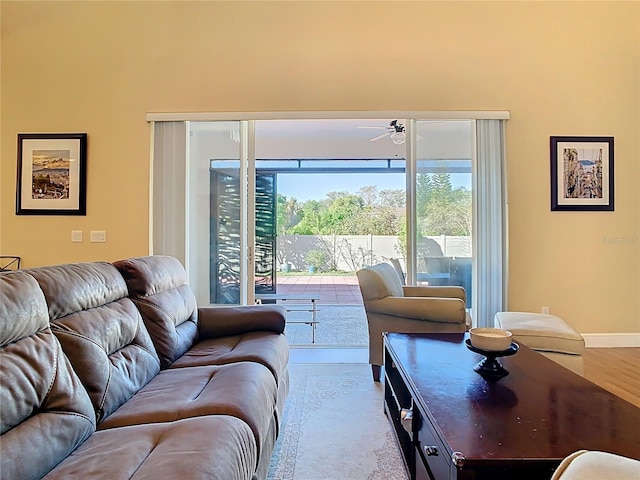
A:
(232, 213)
(221, 189)
(213, 212)
(240, 208)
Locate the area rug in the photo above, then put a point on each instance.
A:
(334, 427)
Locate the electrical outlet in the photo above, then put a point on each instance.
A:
(98, 236)
(545, 310)
(76, 235)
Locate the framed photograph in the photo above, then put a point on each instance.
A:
(582, 174)
(52, 174)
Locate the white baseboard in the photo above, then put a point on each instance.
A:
(611, 339)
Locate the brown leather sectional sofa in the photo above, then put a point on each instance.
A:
(111, 371)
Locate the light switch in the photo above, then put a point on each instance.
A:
(98, 236)
(76, 235)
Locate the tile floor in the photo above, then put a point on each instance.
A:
(302, 354)
(340, 289)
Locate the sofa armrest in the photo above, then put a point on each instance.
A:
(442, 292)
(222, 321)
(446, 310)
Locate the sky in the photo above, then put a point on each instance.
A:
(316, 186)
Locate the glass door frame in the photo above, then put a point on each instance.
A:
(411, 176)
(247, 210)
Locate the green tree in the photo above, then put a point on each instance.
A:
(423, 192)
(287, 213)
(369, 195)
(441, 209)
(393, 198)
(339, 215)
(310, 218)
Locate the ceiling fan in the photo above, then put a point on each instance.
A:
(395, 130)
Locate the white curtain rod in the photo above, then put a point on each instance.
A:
(312, 115)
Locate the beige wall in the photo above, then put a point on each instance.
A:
(566, 68)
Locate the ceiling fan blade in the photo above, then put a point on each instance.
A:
(379, 136)
(372, 126)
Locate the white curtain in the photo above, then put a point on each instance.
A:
(169, 190)
(490, 234)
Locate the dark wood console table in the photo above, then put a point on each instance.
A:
(452, 424)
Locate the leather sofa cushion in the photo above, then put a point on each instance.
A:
(267, 348)
(101, 331)
(228, 320)
(243, 390)
(158, 286)
(42, 402)
(205, 448)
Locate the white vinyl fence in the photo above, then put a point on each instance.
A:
(352, 252)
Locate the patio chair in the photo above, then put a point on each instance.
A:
(398, 268)
(392, 307)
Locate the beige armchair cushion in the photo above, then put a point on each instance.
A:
(430, 309)
(379, 281)
(586, 464)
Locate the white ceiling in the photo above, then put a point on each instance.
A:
(333, 138)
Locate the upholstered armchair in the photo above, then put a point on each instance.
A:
(393, 307)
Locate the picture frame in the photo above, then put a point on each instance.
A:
(582, 174)
(52, 174)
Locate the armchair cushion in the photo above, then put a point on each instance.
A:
(433, 309)
(443, 292)
(585, 464)
(379, 281)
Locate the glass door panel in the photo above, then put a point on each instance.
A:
(225, 258)
(221, 194)
(218, 163)
(443, 204)
(265, 234)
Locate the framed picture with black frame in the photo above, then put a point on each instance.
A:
(582, 174)
(52, 174)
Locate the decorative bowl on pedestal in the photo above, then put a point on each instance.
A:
(490, 339)
(489, 367)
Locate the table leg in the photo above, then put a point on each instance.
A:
(313, 320)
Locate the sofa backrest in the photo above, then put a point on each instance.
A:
(158, 286)
(379, 281)
(100, 329)
(42, 402)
